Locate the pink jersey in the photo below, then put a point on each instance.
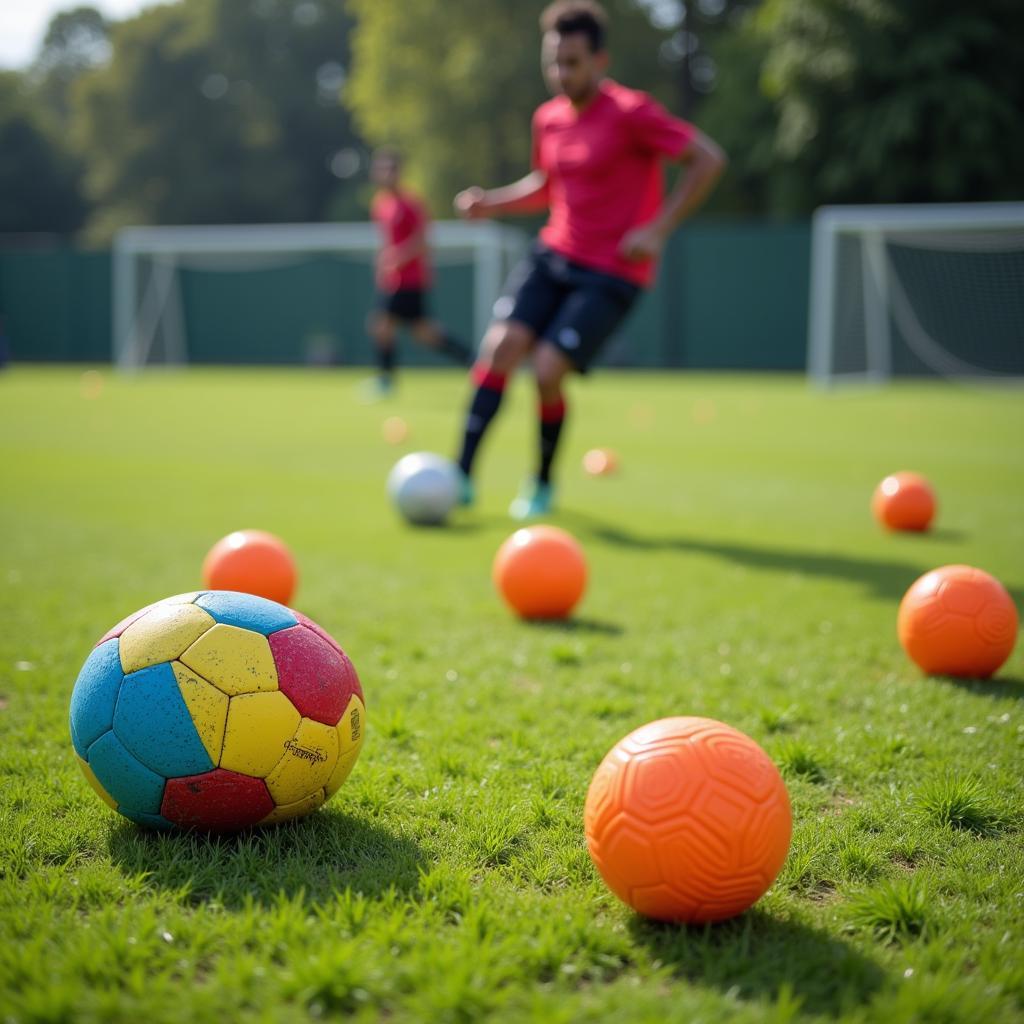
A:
(400, 215)
(604, 173)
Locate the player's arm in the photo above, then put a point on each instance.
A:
(409, 249)
(527, 195)
(703, 162)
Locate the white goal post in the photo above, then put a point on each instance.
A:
(146, 290)
(920, 289)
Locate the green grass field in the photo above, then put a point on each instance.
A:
(735, 573)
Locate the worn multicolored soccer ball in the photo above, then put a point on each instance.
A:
(216, 711)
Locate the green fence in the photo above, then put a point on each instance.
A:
(729, 296)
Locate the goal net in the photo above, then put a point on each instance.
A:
(917, 290)
(285, 292)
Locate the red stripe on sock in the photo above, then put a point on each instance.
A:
(552, 412)
(484, 378)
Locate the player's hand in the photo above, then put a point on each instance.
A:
(642, 243)
(470, 203)
(387, 261)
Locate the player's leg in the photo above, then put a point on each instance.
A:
(551, 367)
(382, 327)
(576, 334)
(531, 298)
(505, 345)
(432, 334)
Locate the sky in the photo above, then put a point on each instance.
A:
(23, 23)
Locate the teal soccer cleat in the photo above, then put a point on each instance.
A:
(467, 492)
(533, 501)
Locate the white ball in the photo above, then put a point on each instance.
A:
(424, 487)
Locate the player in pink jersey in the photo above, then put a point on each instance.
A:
(598, 153)
(403, 272)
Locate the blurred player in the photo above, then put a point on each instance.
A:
(598, 150)
(403, 272)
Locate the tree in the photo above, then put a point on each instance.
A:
(38, 186)
(879, 101)
(455, 91)
(76, 41)
(218, 111)
(691, 52)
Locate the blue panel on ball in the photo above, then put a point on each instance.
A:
(128, 781)
(153, 722)
(94, 696)
(147, 820)
(80, 748)
(247, 611)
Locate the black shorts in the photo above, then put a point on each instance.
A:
(406, 304)
(574, 308)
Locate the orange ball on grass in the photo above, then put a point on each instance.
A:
(687, 819)
(252, 562)
(904, 501)
(541, 572)
(957, 621)
(600, 462)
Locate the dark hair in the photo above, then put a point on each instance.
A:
(566, 17)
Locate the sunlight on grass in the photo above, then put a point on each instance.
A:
(736, 574)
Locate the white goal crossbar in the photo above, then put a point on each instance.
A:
(141, 308)
(866, 296)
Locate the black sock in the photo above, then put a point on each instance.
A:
(455, 349)
(386, 360)
(552, 416)
(490, 388)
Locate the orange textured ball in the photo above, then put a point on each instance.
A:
(957, 621)
(600, 462)
(253, 562)
(688, 819)
(541, 572)
(904, 501)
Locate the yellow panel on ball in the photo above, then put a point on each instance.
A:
(161, 635)
(295, 810)
(309, 759)
(95, 783)
(235, 660)
(207, 706)
(351, 729)
(259, 725)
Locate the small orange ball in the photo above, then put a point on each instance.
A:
(957, 621)
(904, 501)
(253, 562)
(687, 819)
(600, 462)
(395, 430)
(541, 572)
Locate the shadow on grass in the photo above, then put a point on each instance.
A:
(942, 533)
(315, 857)
(756, 955)
(449, 526)
(576, 625)
(885, 579)
(1001, 687)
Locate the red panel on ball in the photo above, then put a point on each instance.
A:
(123, 624)
(318, 629)
(216, 801)
(317, 677)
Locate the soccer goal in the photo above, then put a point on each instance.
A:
(917, 290)
(173, 287)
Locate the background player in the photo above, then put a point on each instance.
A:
(403, 272)
(598, 150)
